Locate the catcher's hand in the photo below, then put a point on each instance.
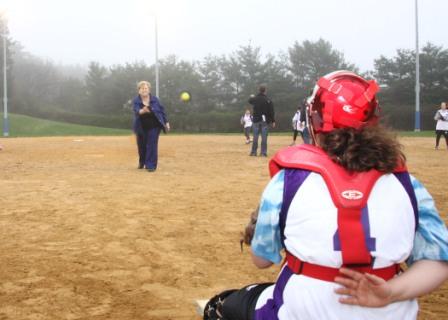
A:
(249, 230)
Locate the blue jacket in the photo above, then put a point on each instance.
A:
(157, 108)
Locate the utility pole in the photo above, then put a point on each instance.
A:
(417, 72)
(157, 57)
(5, 85)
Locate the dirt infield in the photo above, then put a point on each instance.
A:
(85, 235)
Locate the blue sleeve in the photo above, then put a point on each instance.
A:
(266, 242)
(136, 105)
(431, 238)
(165, 118)
(159, 110)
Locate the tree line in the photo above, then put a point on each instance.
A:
(219, 85)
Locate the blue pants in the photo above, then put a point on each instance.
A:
(306, 136)
(260, 127)
(247, 133)
(147, 144)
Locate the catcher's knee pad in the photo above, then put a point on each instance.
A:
(213, 308)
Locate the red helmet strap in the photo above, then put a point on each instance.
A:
(335, 88)
(368, 94)
(327, 116)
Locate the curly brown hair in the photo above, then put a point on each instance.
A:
(358, 150)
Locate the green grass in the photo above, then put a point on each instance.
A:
(25, 126)
(429, 133)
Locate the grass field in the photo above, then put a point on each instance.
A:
(85, 235)
(25, 126)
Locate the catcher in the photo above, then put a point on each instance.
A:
(343, 213)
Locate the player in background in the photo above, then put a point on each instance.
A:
(297, 126)
(246, 122)
(325, 209)
(304, 119)
(442, 124)
(263, 117)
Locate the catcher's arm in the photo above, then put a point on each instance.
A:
(249, 230)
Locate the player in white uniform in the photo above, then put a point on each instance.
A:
(442, 124)
(246, 122)
(348, 202)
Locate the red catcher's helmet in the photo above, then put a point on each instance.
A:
(342, 99)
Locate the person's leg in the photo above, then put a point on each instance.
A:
(264, 139)
(294, 137)
(246, 134)
(438, 135)
(445, 134)
(240, 305)
(256, 132)
(235, 304)
(141, 145)
(152, 149)
(306, 136)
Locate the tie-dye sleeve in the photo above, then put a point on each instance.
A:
(266, 242)
(431, 238)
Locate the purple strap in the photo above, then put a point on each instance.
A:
(292, 182)
(270, 310)
(405, 181)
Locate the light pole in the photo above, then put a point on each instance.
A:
(417, 73)
(5, 88)
(157, 56)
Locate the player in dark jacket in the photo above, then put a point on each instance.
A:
(263, 116)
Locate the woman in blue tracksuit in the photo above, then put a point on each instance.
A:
(149, 120)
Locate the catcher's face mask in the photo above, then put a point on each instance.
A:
(342, 99)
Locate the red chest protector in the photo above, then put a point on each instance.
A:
(349, 192)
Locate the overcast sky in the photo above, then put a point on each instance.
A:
(119, 31)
